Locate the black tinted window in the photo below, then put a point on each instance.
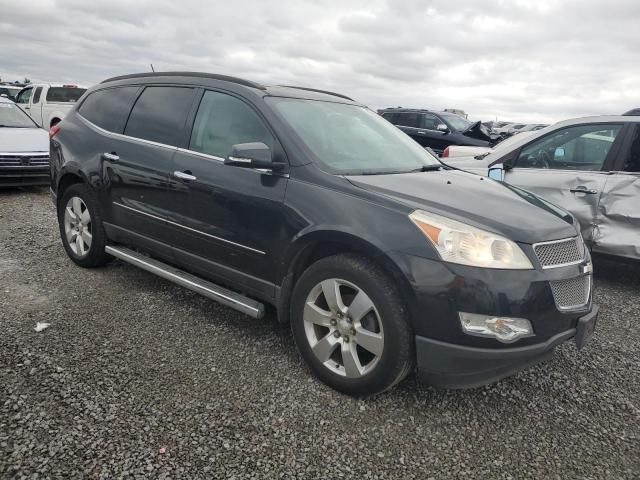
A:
(632, 163)
(109, 108)
(36, 95)
(159, 114)
(224, 121)
(408, 120)
(64, 94)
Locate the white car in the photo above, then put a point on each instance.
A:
(24, 148)
(456, 152)
(9, 91)
(48, 103)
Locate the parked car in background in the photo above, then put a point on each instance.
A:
(590, 166)
(438, 130)
(532, 127)
(46, 103)
(379, 256)
(456, 152)
(9, 91)
(24, 148)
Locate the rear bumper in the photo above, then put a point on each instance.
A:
(459, 366)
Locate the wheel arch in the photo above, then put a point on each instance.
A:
(321, 243)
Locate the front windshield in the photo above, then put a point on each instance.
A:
(457, 122)
(12, 116)
(349, 139)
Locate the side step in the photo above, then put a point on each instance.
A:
(203, 287)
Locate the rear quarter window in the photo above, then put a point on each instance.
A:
(64, 94)
(109, 108)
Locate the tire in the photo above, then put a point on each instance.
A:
(89, 251)
(381, 341)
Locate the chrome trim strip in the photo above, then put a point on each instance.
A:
(559, 265)
(25, 154)
(200, 154)
(188, 228)
(205, 288)
(125, 137)
(240, 160)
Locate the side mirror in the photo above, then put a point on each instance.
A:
(496, 172)
(253, 155)
(442, 128)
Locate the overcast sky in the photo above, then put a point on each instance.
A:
(533, 60)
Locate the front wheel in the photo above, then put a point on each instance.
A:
(351, 325)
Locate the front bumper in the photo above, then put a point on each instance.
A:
(459, 366)
(24, 176)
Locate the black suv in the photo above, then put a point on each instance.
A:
(438, 130)
(378, 255)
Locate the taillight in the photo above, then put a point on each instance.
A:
(446, 152)
(54, 130)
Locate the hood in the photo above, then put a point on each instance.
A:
(14, 140)
(479, 131)
(476, 200)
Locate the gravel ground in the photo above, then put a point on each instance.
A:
(139, 378)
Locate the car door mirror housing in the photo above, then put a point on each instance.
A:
(496, 172)
(441, 127)
(253, 155)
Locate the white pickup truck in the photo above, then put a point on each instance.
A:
(48, 103)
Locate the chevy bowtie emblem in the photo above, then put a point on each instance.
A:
(25, 160)
(587, 268)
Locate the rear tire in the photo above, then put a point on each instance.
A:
(358, 340)
(81, 227)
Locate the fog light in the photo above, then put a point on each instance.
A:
(503, 329)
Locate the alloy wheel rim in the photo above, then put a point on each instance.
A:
(77, 226)
(343, 328)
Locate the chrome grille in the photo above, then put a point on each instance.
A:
(560, 252)
(572, 293)
(19, 160)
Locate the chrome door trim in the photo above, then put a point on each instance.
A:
(188, 228)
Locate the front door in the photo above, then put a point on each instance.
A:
(618, 228)
(229, 219)
(569, 168)
(24, 100)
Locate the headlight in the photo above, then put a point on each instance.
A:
(457, 242)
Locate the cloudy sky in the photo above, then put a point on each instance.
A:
(532, 60)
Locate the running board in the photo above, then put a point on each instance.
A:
(203, 287)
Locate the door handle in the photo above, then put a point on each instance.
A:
(581, 189)
(113, 157)
(421, 131)
(186, 175)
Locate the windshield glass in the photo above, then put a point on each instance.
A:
(12, 116)
(349, 139)
(457, 122)
(64, 94)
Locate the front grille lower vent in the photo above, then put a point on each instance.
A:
(573, 293)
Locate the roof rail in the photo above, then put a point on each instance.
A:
(213, 76)
(319, 91)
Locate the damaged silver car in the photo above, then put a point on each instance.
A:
(589, 166)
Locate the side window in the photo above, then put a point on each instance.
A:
(430, 122)
(24, 95)
(390, 117)
(159, 114)
(36, 95)
(632, 163)
(223, 121)
(109, 108)
(583, 147)
(408, 119)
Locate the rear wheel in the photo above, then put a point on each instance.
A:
(351, 325)
(81, 227)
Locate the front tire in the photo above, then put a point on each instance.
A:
(81, 228)
(351, 325)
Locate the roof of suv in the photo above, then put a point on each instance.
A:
(275, 90)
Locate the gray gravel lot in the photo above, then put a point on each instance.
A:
(139, 378)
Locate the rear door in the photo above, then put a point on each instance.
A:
(618, 228)
(228, 220)
(136, 164)
(36, 105)
(569, 167)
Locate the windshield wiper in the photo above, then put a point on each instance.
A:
(427, 168)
